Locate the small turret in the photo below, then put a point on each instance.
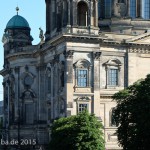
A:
(17, 34)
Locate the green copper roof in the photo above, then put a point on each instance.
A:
(17, 21)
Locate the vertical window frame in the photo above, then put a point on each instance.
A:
(83, 108)
(82, 82)
(112, 77)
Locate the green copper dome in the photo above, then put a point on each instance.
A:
(17, 21)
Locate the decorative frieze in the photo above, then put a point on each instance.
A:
(139, 50)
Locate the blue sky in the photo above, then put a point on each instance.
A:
(32, 10)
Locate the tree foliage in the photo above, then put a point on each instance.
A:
(80, 132)
(132, 114)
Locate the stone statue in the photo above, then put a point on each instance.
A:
(122, 9)
(41, 36)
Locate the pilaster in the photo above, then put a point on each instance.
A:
(68, 12)
(96, 102)
(41, 94)
(74, 12)
(96, 13)
(48, 16)
(69, 81)
(92, 13)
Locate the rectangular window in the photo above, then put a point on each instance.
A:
(82, 78)
(113, 77)
(146, 9)
(82, 107)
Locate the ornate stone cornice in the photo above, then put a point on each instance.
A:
(140, 37)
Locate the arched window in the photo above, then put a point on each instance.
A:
(82, 13)
(82, 73)
(113, 67)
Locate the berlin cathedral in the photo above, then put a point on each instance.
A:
(91, 49)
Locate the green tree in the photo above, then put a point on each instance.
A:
(80, 132)
(132, 115)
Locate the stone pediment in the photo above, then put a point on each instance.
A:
(140, 39)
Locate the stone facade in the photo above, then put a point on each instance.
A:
(77, 66)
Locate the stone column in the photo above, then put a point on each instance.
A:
(119, 76)
(62, 14)
(74, 12)
(69, 82)
(68, 13)
(52, 97)
(92, 13)
(96, 13)
(55, 86)
(17, 92)
(128, 7)
(89, 13)
(41, 94)
(96, 102)
(4, 106)
(8, 100)
(138, 8)
(48, 16)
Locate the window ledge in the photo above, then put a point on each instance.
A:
(82, 89)
(114, 87)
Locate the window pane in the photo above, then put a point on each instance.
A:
(82, 78)
(113, 77)
(108, 8)
(82, 107)
(146, 9)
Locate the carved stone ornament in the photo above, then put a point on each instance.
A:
(48, 70)
(122, 9)
(113, 62)
(83, 63)
(56, 58)
(97, 55)
(41, 36)
(27, 78)
(28, 94)
(69, 54)
(5, 37)
(84, 98)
